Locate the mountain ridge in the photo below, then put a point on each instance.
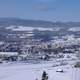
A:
(36, 23)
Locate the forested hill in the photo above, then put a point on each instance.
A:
(36, 23)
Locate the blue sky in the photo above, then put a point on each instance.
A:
(50, 10)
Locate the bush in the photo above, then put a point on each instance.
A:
(77, 65)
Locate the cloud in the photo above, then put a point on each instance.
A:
(45, 0)
(44, 5)
(41, 8)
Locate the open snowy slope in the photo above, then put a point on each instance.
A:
(33, 71)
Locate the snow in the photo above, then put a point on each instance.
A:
(24, 28)
(74, 29)
(9, 53)
(33, 71)
(1, 42)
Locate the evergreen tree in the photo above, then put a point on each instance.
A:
(44, 76)
(36, 79)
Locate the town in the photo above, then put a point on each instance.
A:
(23, 46)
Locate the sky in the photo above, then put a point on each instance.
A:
(49, 10)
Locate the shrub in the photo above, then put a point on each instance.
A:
(77, 65)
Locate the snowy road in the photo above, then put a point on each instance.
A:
(33, 71)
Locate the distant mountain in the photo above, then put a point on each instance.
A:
(36, 23)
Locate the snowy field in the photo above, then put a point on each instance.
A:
(24, 28)
(74, 29)
(33, 71)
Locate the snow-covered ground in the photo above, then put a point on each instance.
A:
(24, 28)
(33, 71)
(74, 29)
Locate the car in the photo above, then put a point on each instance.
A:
(59, 70)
